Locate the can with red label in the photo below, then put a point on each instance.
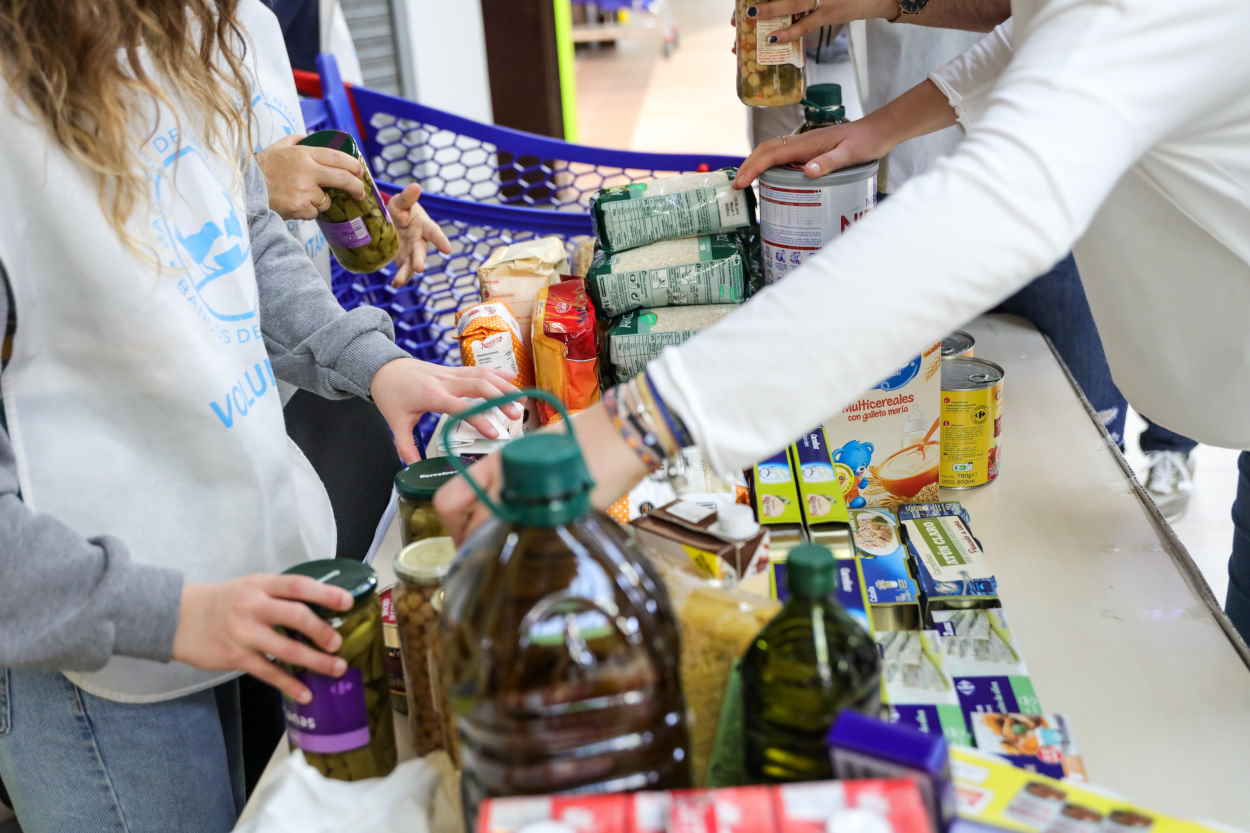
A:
(394, 659)
(799, 215)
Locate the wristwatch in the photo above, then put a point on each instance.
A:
(909, 7)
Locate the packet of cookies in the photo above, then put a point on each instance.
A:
(491, 337)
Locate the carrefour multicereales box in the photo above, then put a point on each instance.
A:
(883, 451)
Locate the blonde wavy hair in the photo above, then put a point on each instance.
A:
(78, 66)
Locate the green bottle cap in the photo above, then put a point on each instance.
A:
(823, 95)
(823, 104)
(423, 478)
(811, 572)
(353, 576)
(545, 481)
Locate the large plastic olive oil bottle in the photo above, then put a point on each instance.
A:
(809, 663)
(560, 641)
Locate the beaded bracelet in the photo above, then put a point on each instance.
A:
(676, 426)
(649, 428)
(630, 431)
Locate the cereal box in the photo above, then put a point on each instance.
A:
(886, 444)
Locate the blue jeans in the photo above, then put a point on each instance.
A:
(75, 762)
(1158, 438)
(1055, 303)
(1237, 603)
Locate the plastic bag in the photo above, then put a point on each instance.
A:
(490, 336)
(419, 796)
(566, 355)
(629, 216)
(717, 626)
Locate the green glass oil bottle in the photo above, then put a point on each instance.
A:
(822, 107)
(807, 664)
(560, 643)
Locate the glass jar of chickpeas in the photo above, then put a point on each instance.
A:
(770, 74)
(416, 486)
(421, 568)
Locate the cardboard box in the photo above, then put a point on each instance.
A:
(879, 805)
(819, 490)
(893, 595)
(1039, 743)
(949, 562)
(878, 442)
(776, 493)
(688, 532)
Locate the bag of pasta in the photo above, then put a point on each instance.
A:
(491, 337)
(566, 355)
(717, 625)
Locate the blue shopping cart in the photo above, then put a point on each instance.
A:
(487, 186)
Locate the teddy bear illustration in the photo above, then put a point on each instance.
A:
(855, 456)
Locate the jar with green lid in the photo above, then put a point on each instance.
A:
(421, 568)
(347, 731)
(359, 232)
(416, 486)
(822, 107)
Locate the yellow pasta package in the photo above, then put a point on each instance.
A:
(491, 337)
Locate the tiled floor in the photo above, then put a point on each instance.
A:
(630, 97)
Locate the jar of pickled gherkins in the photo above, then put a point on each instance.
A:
(347, 731)
(421, 568)
(416, 486)
(769, 74)
(359, 232)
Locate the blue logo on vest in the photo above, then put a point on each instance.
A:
(900, 379)
(206, 234)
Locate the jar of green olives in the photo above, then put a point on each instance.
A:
(421, 568)
(347, 731)
(359, 232)
(416, 486)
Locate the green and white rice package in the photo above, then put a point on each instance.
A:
(693, 270)
(688, 205)
(638, 337)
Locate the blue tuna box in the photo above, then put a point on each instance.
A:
(1012, 694)
(892, 594)
(945, 720)
(850, 591)
(863, 747)
(950, 564)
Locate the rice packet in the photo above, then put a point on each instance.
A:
(688, 205)
(693, 270)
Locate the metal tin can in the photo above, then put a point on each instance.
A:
(799, 215)
(959, 345)
(972, 392)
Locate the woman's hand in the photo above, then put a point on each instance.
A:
(231, 627)
(417, 232)
(297, 177)
(817, 13)
(819, 151)
(407, 389)
(613, 465)
(921, 110)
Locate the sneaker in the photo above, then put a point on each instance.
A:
(1170, 481)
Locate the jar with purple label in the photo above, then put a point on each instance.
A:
(347, 731)
(360, 233)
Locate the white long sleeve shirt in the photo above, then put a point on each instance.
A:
(1120, 128)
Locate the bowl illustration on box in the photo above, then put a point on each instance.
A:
(905, 472)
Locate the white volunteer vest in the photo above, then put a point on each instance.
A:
(142, 404)
(275, 114)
